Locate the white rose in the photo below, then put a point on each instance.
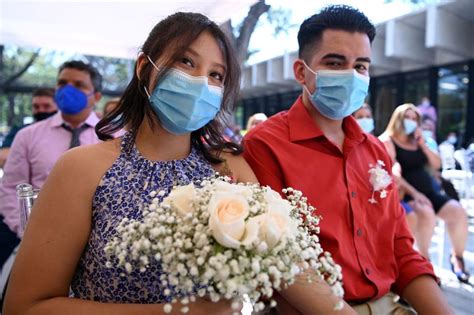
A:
(222, 186)
(181, 197)
(276, 226)
(227, 220)
(276, 202)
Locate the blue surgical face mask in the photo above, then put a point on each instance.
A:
(409, 126)
(452, 139)
(366, 124)
(70, 100)
(427, 134)
(184, 103)
(338, 93)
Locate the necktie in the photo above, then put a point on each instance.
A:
(76, 132)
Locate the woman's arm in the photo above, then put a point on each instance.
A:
(54, 240)
(433, 158)
(313, 298)
(401, 182)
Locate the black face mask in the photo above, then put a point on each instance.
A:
(43, 116)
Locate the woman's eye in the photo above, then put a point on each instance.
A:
(217, 76)
(187, 62)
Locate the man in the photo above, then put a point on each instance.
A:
(43, 106)
(318, 148)
(36, 148)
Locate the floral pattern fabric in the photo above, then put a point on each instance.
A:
(122, 193)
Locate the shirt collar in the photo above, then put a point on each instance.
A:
(302, 126)
(57, 120)
(300, 123)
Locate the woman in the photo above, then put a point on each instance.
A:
(185, 79)
(406, 145)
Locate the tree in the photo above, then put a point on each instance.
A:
(240, 36)
(10, 72)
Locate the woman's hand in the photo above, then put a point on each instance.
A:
(420, 139)
(421, 199)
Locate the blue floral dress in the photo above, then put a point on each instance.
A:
(122, 192)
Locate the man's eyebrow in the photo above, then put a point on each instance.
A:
(334, 56)
(364, 59)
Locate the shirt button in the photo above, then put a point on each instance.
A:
(353, 194)
(359, 232)
(367, 271)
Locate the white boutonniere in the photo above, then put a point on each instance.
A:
(380, 179)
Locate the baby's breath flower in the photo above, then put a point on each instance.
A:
(196, 264)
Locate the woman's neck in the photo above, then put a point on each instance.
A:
(159, 145)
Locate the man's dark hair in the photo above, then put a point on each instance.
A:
(44, 92)
(96, 77)
(335, 17)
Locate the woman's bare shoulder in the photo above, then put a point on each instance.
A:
(90, 160)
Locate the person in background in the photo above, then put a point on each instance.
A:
(426, 109)
(255, 120)
(317, 147)
(110, 105)
(451, 139)
(406, 145)
(36, 148)
(42, 106)
(428, 128)
(364, 118)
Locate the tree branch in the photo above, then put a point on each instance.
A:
(15, 76)
(247, 28)
(227, 29)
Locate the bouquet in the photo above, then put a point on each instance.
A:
(225, 240)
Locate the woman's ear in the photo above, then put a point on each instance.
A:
(141, 62)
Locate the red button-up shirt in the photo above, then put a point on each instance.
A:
(371, 242)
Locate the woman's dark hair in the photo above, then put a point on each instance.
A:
(170, 39)
(334, 17)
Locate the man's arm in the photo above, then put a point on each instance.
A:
(16, 171)
(263, 163)
(425, 296)
(416, 281)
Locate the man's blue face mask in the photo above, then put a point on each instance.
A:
(71, 100)
(184, 103)
(338, 93)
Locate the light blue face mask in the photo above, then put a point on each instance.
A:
(409, 126)
(366, 124)
(338, 93)
(184, 103)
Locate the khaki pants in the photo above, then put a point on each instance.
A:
(386, 305)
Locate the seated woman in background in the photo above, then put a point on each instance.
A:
(406, 145)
